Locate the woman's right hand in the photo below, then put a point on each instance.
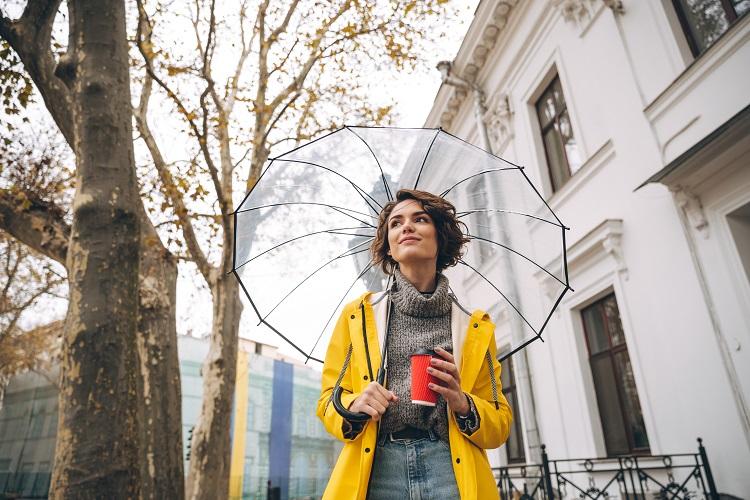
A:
(374, 400)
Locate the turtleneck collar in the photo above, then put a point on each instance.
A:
(412, 302)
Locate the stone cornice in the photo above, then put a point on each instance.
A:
(488, 24)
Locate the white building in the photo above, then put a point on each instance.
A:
(632, 119)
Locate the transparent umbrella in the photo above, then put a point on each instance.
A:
(303, 233)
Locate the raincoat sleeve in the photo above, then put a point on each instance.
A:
(495, 415)
(335, 360)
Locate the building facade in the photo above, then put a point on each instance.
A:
(631, 118)
(277, 441)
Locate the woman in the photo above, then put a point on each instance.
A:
(407, 450)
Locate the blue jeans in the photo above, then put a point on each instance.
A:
(412, 469)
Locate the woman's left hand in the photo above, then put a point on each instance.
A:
(446, 371)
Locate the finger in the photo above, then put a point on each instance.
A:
(372, 412)
(445, 366)
(378, 407)
(447, 392)
(380, 399)
(445, 377)
(445, 354)
(388, 395)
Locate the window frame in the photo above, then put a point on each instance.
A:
(687, 31)
(611, 352)
(516, 425)
(543, 129)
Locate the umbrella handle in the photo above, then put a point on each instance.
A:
(348, 415)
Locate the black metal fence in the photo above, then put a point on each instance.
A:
(680, 476)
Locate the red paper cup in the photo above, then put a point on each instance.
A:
(421, 394)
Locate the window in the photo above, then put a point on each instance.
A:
(560, 146)
(704, 21)
(514, 445)
(616, 393)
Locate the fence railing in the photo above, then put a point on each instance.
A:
(679, 476)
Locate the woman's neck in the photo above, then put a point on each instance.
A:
(424, 278)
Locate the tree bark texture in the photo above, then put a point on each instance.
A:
(97, 453)
(159, 385)
(208, 478)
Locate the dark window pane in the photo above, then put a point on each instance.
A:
(610, 412)
(614, 325)
(514, 446)
(546, 109)
(616, 392)
(515, 440)
(557, 133)
(630, 401)
(596, 334)
(706, 21)
(506, 375)
(558, 166)
(557, 93)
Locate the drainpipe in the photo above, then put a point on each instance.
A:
(520, 361)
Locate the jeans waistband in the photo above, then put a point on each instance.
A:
(406, 435)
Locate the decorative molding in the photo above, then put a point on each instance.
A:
(604, 241)
(691, 205)
(581, 11)
(499, 121)
(612, 244)
(481, 49)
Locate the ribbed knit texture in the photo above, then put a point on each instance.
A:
(417, 321)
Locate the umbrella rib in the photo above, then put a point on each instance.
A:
(499, 210)
(520, 255)
(382, 174)
(247, 294)
(330, 231)
(542, 198)
(482, 150)
(367, 268)
(341, 210)
(335, 207)
(501, 293)
(348, 253)
(442, 195)
(424, 160)
(359, 190)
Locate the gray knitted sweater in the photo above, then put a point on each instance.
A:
(417, 320)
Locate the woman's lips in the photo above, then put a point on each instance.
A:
(406, 240)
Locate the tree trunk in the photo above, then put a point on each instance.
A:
(159, 385)
(97, 453)
(210, 453)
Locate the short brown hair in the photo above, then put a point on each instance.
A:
(450, 238)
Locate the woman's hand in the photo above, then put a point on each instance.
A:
(446, 371)
(374, 400)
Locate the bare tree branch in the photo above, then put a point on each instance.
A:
(30, 37)
(38, 226)
(169, 187)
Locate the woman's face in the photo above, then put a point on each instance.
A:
(412, 238)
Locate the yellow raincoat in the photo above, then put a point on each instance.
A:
(475, 353)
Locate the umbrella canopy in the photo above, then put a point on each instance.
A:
(303, 233)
